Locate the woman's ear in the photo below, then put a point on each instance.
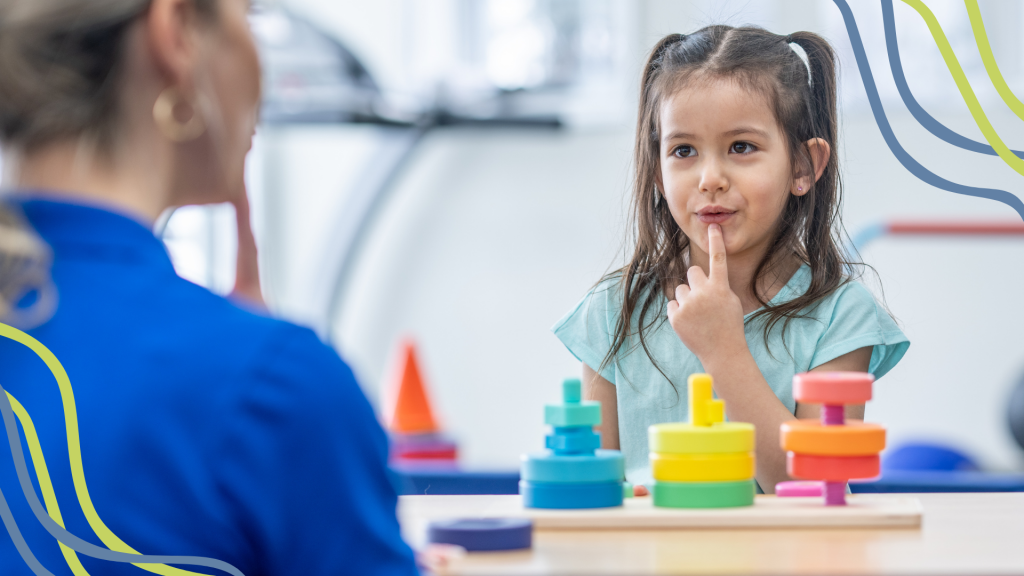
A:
(819, 152)
(171, 27)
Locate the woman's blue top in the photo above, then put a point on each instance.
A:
(206, 429)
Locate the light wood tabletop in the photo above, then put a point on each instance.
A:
(959, 534)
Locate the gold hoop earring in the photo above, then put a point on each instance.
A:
(174, 129)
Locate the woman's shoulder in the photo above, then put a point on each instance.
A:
(287, 371)
(285, 350)
(248, 346)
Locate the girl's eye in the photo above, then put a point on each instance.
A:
(683, 152)
(742, 148)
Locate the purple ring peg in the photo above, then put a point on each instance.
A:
(483, 534)
(835, 493)
(832, 415)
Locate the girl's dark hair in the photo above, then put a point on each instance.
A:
(809, 226)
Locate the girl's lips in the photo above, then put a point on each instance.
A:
(715, 217)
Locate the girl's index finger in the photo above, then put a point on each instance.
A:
(716, 251)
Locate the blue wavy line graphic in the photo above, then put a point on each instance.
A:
(901, 154)
(924, 118)
(19, 541)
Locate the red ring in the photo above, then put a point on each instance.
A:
(832, 468)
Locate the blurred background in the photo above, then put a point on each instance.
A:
(457, 171)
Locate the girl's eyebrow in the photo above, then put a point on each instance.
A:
(728, 134)
(747, 130)
(680, 136)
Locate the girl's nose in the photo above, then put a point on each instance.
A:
(713, 178)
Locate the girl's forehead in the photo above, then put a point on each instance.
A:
(714, 108)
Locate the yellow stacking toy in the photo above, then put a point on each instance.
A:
(706, 463)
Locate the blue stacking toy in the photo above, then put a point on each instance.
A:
(573, 472)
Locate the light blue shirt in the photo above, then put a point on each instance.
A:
(844, 321)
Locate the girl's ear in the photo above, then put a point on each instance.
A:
(819, 152)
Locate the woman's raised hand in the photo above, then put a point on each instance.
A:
(247, 271)
(706, 314)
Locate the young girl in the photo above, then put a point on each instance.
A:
(737, 269)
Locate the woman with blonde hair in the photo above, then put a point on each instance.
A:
(206, 430)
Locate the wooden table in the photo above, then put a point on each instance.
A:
(960, 534)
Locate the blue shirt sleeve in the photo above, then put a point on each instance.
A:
(304, 467)
(856, 321)
(587, 329)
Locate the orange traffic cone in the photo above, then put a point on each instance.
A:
(415, 434)
(411, 413)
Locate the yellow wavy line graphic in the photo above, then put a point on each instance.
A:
(989, 60)
(43, 475)
(964, 86)
(109, 539)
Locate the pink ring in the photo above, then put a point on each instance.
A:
(834, 388)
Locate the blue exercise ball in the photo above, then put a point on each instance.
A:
(1015, 412)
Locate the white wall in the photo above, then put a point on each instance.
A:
(491, 236)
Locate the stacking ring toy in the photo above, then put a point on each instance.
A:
(832, 450)
(705, 463)
(573, 472)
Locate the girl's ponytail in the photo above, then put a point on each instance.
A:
(647, 125)
(821, 61)
(654, 60)
(819, 238)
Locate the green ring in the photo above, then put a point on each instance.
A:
(703, 494)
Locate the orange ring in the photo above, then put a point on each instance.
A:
(832, 468)
(853, 439)
(832, 387)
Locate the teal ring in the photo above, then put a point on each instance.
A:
(602, 466)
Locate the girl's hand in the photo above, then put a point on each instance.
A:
(707, 315)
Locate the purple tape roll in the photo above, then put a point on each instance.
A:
(482, 534)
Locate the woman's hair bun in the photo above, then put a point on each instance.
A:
(60, 62)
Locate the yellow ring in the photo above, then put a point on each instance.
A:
(681, 438)
(702, 467)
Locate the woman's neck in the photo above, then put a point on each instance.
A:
(75, 171)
